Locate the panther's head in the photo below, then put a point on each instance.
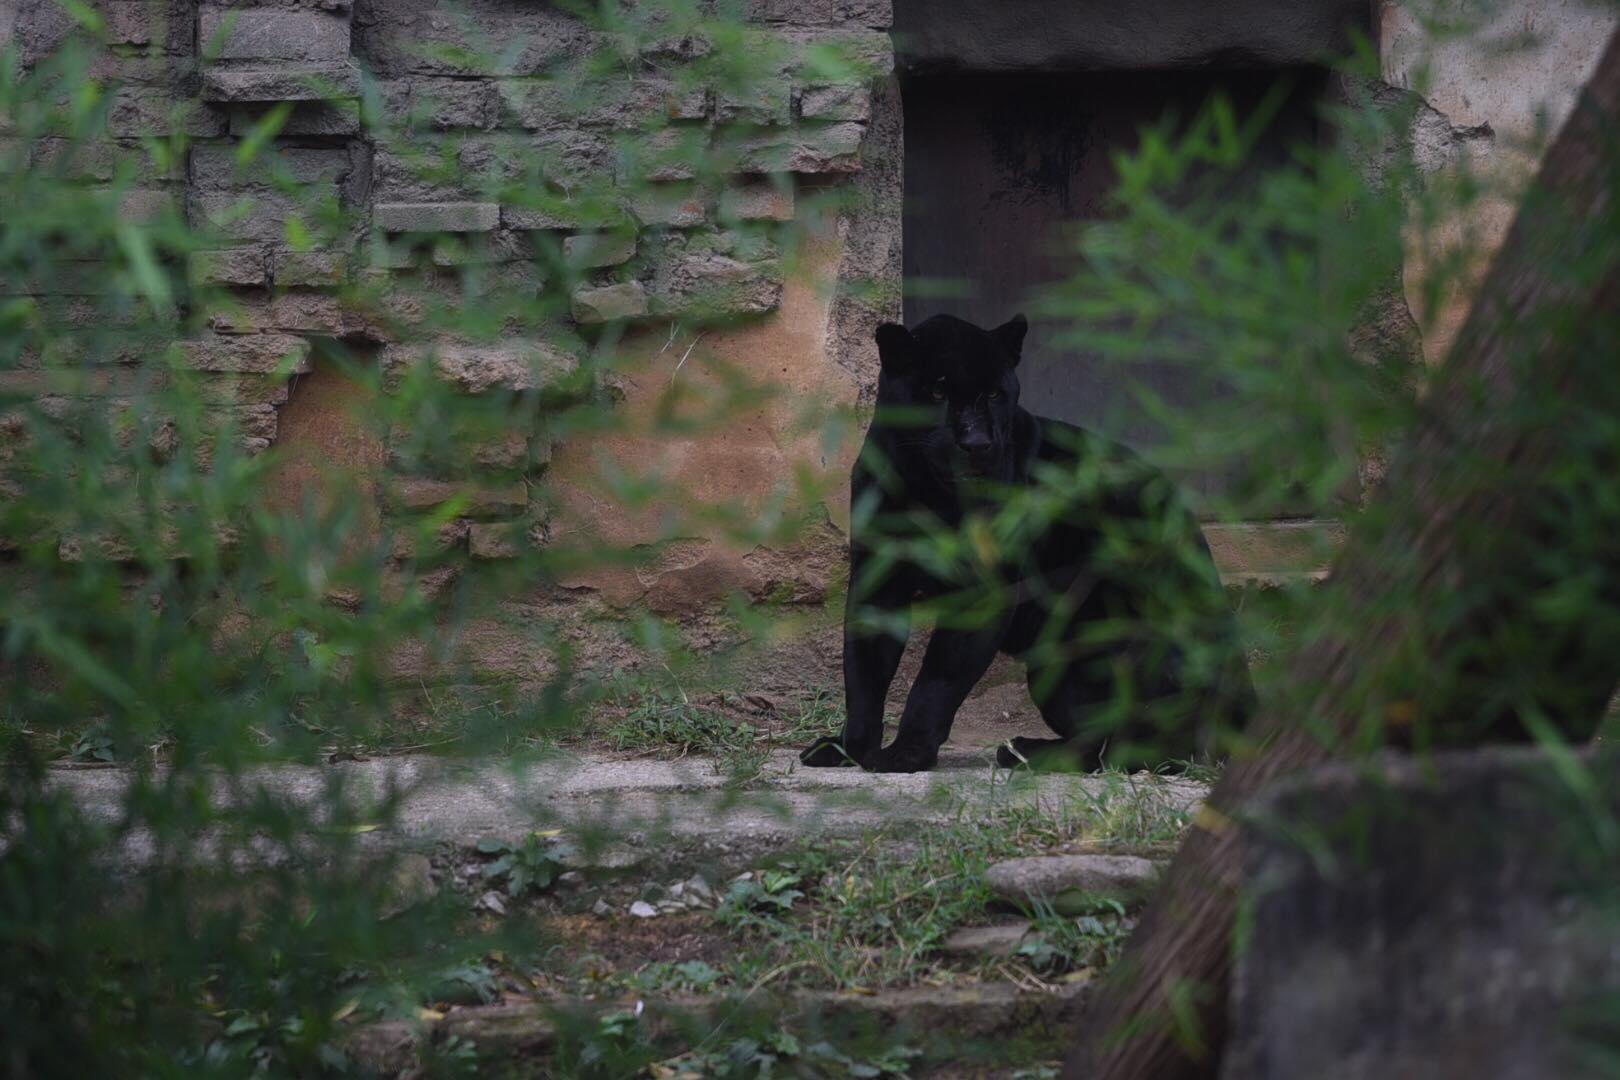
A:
(955, 385)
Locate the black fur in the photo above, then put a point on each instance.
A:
(1112, 600)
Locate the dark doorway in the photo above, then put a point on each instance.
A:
(1000, 167)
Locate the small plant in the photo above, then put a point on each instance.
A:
(273, 1045)
(613, 1047)
(532, 864)
(696, 975)
(93, 745)
(748, 1057)
(454, 1058)
(769, 891)
(466, 984)
(1062, 943)
(671, 723)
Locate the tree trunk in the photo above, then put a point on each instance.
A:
(1437, 609)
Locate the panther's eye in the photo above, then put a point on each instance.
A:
(994, 395)
(939, 390)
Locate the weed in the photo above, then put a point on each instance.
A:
(465, 984)
(874, 912)
(769, 891)
(531, 864)
(669, 723)
(93, 745)
(1061, 943)
(747, 1057)
(453, 1058)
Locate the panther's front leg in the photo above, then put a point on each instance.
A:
(871, 655)
(952, 666)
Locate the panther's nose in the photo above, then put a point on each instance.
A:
(976, 441)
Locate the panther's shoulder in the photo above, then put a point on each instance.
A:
(1062, 443)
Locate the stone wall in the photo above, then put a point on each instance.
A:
(1453, 916)
(431, 150)
(775, 256)
(1492, 101)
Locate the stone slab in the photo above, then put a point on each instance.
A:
(664, 807)
(313, 82)
(1073, 883)
(437, 217)
(272, 34)
(1454, 916)
(1100, 35)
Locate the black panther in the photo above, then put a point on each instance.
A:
(1031, 537)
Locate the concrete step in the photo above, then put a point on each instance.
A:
(976, 1029)
(669, 810)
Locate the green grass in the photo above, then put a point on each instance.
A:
(873, 912)
(728, 727)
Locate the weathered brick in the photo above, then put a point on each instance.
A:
(408, 298)
(559, 212)
(307, 268)
(840, 55)
(436, 217)
(297, 311)
(679, 205)
(556, 105)
(535, 219)
(834, 148)
(252, 422)
(503, 539)
(141, 111)
(272, 34)
(101, 159)
(64, 278)
(440, 103)
(670, 154)
(307, 82)
(257, 215)
(242, 267)
(605, 303)
(260, 353)
(507, 451)
(307, 118)
(529, 38)
(768, 103)
(214, 166)
(146, 205)
(599, 249)
(836, 103)
(757, 200)
(242, 389)
(131, 22)
(705, 284)
(479, 249)
(408, 543)
(873, 14)
(474, 369)
(422, 493)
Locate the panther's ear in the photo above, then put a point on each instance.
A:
(897, 349)
(1010, 336)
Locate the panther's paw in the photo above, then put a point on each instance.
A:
(1046, 754)
(825, 753)
(901, 757)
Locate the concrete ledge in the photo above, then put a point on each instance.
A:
(951, 1024)
(668, 809)
(1103, 35)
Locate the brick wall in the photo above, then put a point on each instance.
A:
(430, 155)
